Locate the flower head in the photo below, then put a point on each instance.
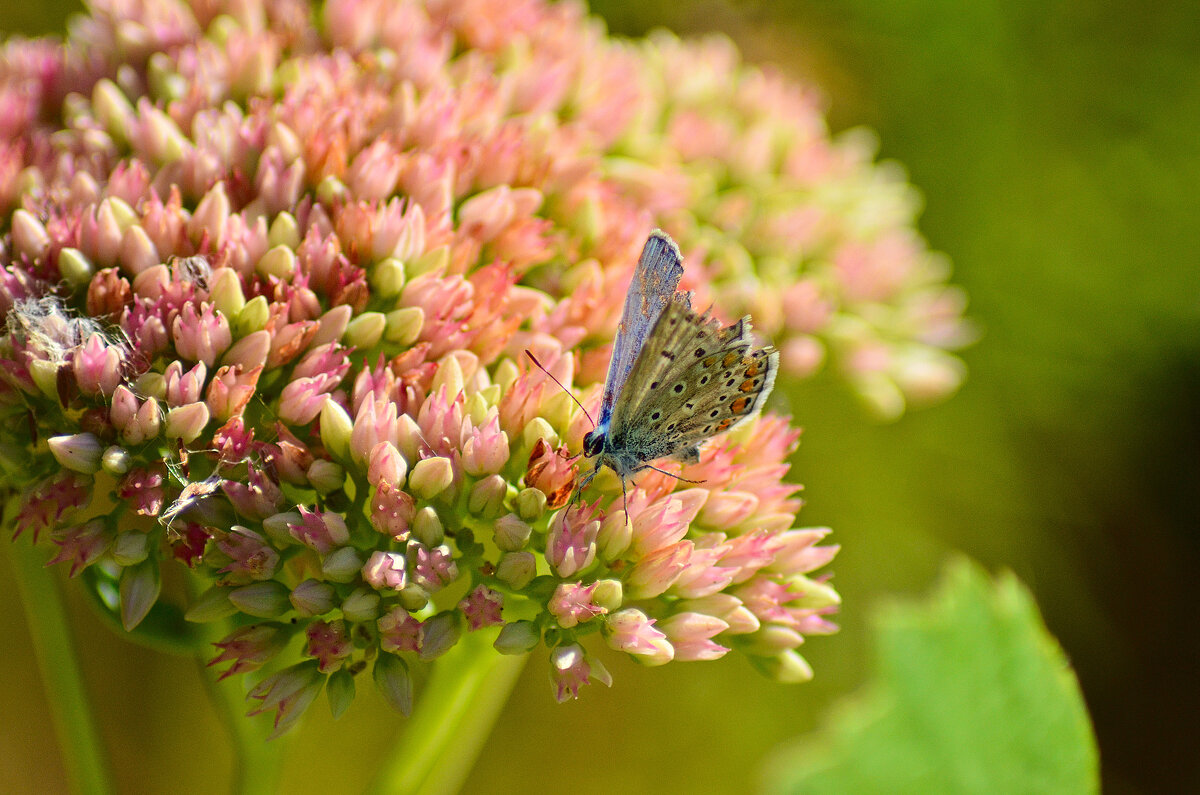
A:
(267, 297)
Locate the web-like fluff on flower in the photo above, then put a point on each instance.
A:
(267, 279)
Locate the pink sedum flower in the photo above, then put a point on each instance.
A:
(251, 337)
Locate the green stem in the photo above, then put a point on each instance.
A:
(83, 748)
(257, 762)
(454, 715)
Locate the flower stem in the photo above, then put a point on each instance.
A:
(83, 748)
(454, 715)
(257, 762)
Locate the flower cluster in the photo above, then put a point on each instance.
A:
(268, 278)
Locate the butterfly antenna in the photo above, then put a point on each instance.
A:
(668, 474)
(560, 384)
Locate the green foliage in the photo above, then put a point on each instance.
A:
(972, 695)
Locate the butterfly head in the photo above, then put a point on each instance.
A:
(593, 442)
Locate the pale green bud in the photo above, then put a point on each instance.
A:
(365, 331)
(361, 605)
(393, 681)
(75, 267)
(431, 476)
(404, 325)
(516, 569)
(253, 317)
(427, 527)
(78, 452)
(262, 599)
(439, 634)
(138, 591)
(212, 605)
(325, 476)
(342, 565)
(130, 548)
(518, 637)
(340, 691)
(284, 231)
(279, 262)
(531, 504)
(336, 427)
(387, 277)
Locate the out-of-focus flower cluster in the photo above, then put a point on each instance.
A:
(268, 276)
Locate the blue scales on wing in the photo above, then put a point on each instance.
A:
(654, 282)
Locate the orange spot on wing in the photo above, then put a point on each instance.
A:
(729, 360)
(752, 370)
(739, 405)
(723, 424)
(747, 385)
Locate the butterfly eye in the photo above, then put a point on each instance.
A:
(593, 443)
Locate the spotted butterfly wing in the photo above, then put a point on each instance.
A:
(692, 380)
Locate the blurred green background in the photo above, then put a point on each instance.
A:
(1057, 147)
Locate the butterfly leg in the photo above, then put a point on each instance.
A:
(583, 484)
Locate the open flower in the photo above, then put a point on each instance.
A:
(268, 290)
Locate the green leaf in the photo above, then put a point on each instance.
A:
(972, 695)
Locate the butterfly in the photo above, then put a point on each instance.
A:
(676, 378)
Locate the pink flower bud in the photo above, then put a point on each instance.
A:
(482, 608)
(386, 464)
(329, 643)
(571, 540)
(797, 553)
(320, 531)
(249, 648)
(666, 521)
(124, 408)
(186, 422)
(375, 423)
(249, 352)
(571, 668)
(433, 568)
(301, 400)
(97, 366)
(728, 509)
(145, 424)
(251, 557)
(392, 511)
(203, 336)
(654, 574)
(229, 390)
(690, 635)
(572, 604)
(552, 473)
(485, 450)
(399, 631)
(632, 632)
(385, 570)
(184, 387)
(29, 235)
(82, 545)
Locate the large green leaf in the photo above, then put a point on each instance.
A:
(972, 695)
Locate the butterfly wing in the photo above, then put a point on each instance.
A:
(693, 380)
(655, 280)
